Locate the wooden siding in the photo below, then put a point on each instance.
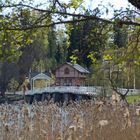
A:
(66, 75)
(60, 72)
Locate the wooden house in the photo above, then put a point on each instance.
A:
(70, 75)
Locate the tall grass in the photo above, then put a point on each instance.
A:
(85, 120)
(133, 98)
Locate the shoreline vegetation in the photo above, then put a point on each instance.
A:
(75, 121)
(11, 98)
(133, 98)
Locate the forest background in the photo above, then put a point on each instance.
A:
(40, 37)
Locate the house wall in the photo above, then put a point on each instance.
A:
(73, 78)
(60, 72)
(70, 81)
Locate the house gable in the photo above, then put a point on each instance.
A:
(70, 75)
(70, 70)
(78, 68)
(66, 71)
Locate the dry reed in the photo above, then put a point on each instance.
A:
(85, 120)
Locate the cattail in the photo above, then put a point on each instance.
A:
(30, 127)
(25, 110)
(43, 132)
(127, 118)
(103, 123)
(115, 98)
(76, 121)
(138, 111)
(100, 106)
(72, 128)
(72, 131)
(126, 113)
(20, 138)
(7, 128)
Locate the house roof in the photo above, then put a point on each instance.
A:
(78, 67)
(41, 76)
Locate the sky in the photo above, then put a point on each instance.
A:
(117, 3)
(92, 4)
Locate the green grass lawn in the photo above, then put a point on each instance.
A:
(133, 98)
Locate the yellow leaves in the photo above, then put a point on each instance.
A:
(76, 3)
(136, 63)
(74, 59)
(29, 41)
(107, 57)
(92, 56)
(139, 49)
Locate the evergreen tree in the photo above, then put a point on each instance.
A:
(120, 36)
(86, 39)
(52, 48)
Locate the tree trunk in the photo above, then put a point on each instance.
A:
(123, 97)
(3, 90)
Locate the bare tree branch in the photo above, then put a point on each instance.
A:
(81, 17)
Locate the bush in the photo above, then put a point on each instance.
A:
(12, 85)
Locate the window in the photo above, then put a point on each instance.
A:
(66, 71)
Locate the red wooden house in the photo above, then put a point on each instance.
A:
(70, 75)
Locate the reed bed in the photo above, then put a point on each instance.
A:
(85, 120)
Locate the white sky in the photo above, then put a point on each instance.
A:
(92, 4)
(117, 3)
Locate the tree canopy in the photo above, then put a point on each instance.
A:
(62, 13)
(136, 3)
(30, 35)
